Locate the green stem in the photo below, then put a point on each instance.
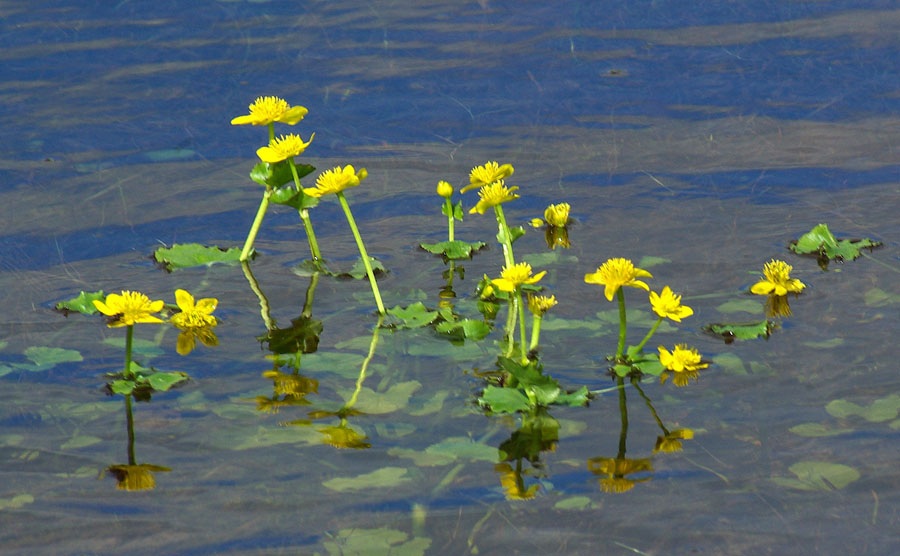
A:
(450, 219)
(521, 307)
(271, 131)
(511, 326)
(504, 230)
(620, 296)
(535, 332)
(127, 373)
(365, 364)
(640, 346)
(264, 309)
(362, 251)
(304, 216)
(257, 222)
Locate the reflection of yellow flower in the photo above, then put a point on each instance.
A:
(540, 304)
(516, 275)
(343, 436)
(129, 308)
(681, 359)
(513, 485)
(778, 280)
(444, 189)
(283, 148)
(187, 339)
(291, 384)
(193, 315)
(672, 441)
(493, 195)
(616, 273)
(557, 215)
(135, 477)
(668, 305)
(679, 379)
(554, 235)
(778, 306)
(615, 470)
(487, 174)
(336, 180)
(266, 110)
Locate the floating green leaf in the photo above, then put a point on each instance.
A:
(455, 249)
(819, 475)
(278, 174)
(731, 331)
(883, 409)
(504, 400)
(821, 242)
(186, 255)
(386, 477)
(83, 303)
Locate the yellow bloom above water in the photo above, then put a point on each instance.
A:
(283, 148)
(616, 273)
(668, 305)
(540, 304)
(487, 174)
(336, 180)
(266, 110)
(129, 308)
(778, 280)
(193, 315)
(513, 277)
(444, 189)
(681, 359)
(557, 215)
(493, 195)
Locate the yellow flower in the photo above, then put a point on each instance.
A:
(283, 148)
(616, 273)
(444, 189)
(193, 315)
(668, 305)
(266, 110)
(557, 215)
(681, 359)
(671, 442)
(129, 308)
(493, 195)
(778, 280)
(513, 277)
(540, 304)
(336, 180)
(487, 174)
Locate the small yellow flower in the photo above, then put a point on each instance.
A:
(193, 315)
(516, 275)
(493, 195)
(778, 280)
(557, 215)
(283, 148)
(672, 441)
(487, 174)
(616, 273)
(681, 359)
(129, 308)
(540, 304)
(668, 305)
(266, 110)
(336, 180)
(444, 189)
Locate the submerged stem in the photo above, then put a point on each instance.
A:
(362, 251)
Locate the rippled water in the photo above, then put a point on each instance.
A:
(709, 136)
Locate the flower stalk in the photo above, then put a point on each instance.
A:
(254, 228)
(362, 251)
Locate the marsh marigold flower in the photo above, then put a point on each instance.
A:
(540, 304)
(778, 280)
(681, 359)
(444, 189)
(129, 308)
(616, 273)
(266, 110)
(336, 180)
(283, 148)
(557, 215)
(487, 174)
(516, 275)
(493, 195)
(193, 315)
(668, 305)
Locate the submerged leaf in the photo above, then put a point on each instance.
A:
(358, 271)
(882, 409)
(188, 255)
(819, 475)
(50, 356)
(386, 477)
(413, 316)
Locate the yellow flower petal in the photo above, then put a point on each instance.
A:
(615, 273)
(266, 110)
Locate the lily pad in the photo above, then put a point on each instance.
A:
(453, 249)
(821, 243)
(819, 475)
(83, 303)
(186, 255)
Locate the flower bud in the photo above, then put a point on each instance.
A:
(444, 189)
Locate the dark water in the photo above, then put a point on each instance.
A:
(706, 135)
